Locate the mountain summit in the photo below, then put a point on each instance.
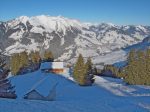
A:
(65, 37)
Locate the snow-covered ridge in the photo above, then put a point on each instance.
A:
(50, 23)
(60, 33)
(61, 24)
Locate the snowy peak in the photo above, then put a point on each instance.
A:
(65, 37)
(49, 23)
(23, 19)
(45, 23)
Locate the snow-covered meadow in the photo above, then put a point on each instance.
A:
(106, 95)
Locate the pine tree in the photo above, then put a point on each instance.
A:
(15, 64)
(131, 69)
(23, 59)
(32, 57)
(148, 67)
(35, 57)
(2, 62)
(89, 65)
(48, 56)
(79, 72)
(120, 73)
(141, 68)
(89, 75)
(6, 89)
(95, 72)
(137, 70)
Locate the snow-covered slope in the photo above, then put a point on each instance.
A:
(105, 95)
(119, 57)
(65, 37)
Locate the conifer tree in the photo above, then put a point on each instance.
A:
(48, 56)
(148, 67)
(120, 73)
(89, 75)
(32, 57)
(79, 72)
(137, 70)
(35, 57)
(141, 68)
(131, 69)
(89, 65)
(2, 62)
(15, 64)
(6, 89)
(95, 72)
(23, 59)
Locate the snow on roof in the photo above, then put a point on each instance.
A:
(52, 65)
(33, 91)
(37, 81)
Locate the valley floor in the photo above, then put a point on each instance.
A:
(106, 95)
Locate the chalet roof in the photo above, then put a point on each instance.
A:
(33, 91)
(38, 81)
(51, 65)
(35, 95)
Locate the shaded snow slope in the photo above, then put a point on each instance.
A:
(106, 95)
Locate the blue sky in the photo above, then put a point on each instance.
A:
(95, 11)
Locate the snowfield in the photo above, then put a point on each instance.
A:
(106, 95)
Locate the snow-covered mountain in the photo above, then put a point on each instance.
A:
(118, 57)
(66, 38)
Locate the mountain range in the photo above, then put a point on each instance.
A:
(66, 38)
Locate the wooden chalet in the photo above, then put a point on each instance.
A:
(53, 67)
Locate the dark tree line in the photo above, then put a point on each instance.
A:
(21, 63)
(83, 72)
(6, 89)
(137, 70)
